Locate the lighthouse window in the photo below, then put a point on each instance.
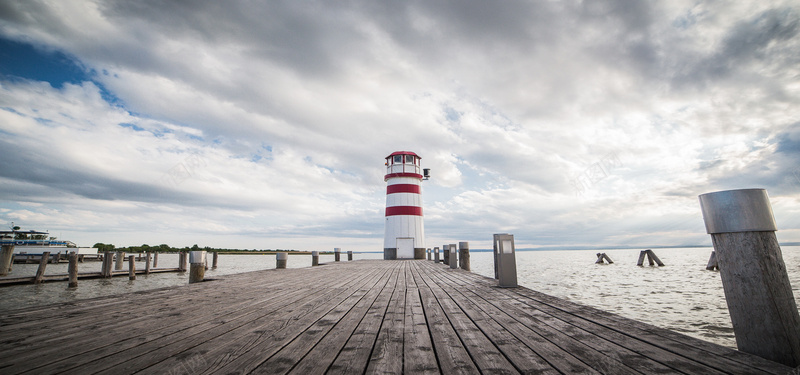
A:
(409, 159)
(398, 159)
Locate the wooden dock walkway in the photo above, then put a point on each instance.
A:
(367, 316)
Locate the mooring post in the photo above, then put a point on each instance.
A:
(349, 255)
(446, 255)
(314, 258)
(131, 267)
(147, 259)
(506, 260)
(436, 255)
(336, 253)
(214, 263)
(155, 260)
(120, 258)
(73, 270)
(428, 251)
(6, 259)
(712, 262)
(280, 260)
(652, 257)
(760, 300)
(108, 264)
(197, 266)
(182, 260)
(453, 256)
(42, 266)
(463, 255)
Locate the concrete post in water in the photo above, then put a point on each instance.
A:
(280, 260)
(214, 263)
(506, 260)
(349, 255)
(42, 266)
(453, 256)
(73, 270)
(314, 258)
(760, 301)
(120, 258)
(436, 255)
(131, 267)
(336, 253)
(147, 263)
(6, 258)
(155, 260)
(197, 266)
(712, 262)
(463, 255)
(446, 255)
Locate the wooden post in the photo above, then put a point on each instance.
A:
(446, 255)
(463, 255)
(108, 263)
(214, 263)
(652, 257)
(349, 255)
(147, 263)
(80, 258)
(42, 265)
(602, 258)
(73, 270)
(280, 260)
(120, 258)
(155, 260)
(453, 256)
(314, 258)
(182, 261)
(436, 255)
(642, 254)
(197, 266)
(712, 262)
(760, 300)
(429, 254)
(6, 258)
(132, 267)
(336, 252)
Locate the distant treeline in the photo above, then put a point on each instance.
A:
(164, 248)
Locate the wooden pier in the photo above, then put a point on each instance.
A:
(377, 316)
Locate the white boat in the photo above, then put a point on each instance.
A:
(35, 243)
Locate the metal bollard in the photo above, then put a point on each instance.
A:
(280, 260)
(197, 266)
(505, 260)
(757, 290)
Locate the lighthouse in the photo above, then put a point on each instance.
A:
(405, 233)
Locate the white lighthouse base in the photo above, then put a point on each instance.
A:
(391, 253)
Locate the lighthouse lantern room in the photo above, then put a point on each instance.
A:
(405, 233)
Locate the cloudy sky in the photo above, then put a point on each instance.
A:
(265, 124)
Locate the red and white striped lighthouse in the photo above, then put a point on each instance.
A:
(405, 233)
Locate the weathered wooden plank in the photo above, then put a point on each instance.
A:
(389, 341)
(221, 346)
(453, 357)
(347, 347)
(338, 324)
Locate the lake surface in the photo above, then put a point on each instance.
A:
(681, 296)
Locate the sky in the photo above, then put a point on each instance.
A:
(265, 124)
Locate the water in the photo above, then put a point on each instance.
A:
(682, 296)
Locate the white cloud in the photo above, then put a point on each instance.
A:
(272, 120)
